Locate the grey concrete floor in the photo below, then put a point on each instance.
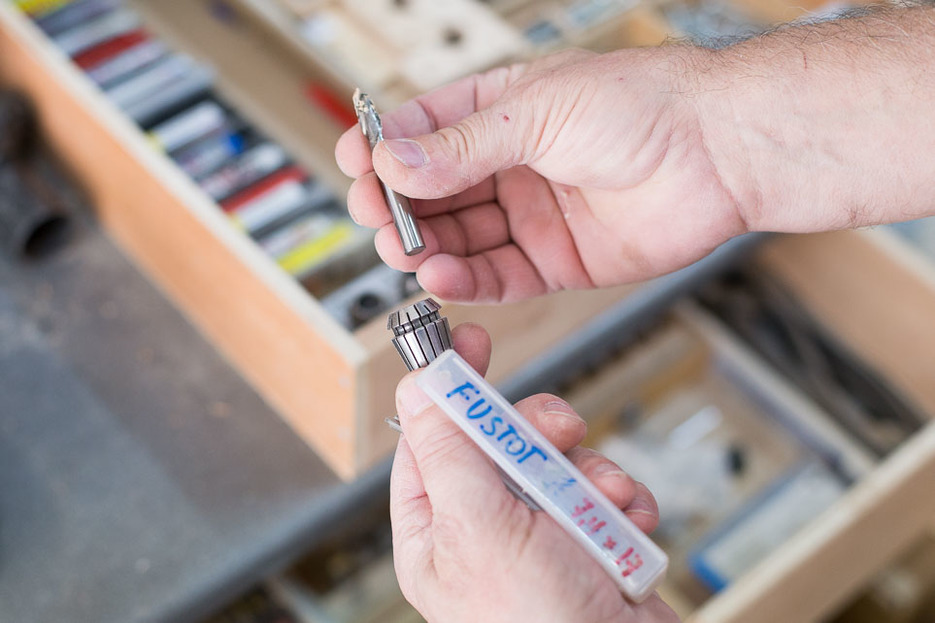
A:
(140, 478)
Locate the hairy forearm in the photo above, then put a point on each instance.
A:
(827, 125)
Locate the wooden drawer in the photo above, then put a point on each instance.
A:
(333, 386)
(487, 34)
(877, 296)
(852, 280)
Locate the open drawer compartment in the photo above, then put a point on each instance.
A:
(877, 296)
(873, 295)
(333, 386)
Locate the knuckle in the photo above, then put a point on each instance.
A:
(587, 459)
(449, 531)
(547, 399)
(464, 138)
(580, 454)
(467, 141)
(535, 404)
(408, 533)
(563, 58)
(571, 55)
(552, 95)
(499, 77)
(440, 449)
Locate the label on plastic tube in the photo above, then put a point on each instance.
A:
(75, 40)
(252, 166)
(210, 153)
(189, 126)
(72, 14)
(545, 475)
(272, 205)
(127, 62)
(156, 76)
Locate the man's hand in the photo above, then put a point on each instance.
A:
(583, 170)
(466, 550)
(572, 172)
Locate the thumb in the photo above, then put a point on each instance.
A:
(458, 477)
(453, 158)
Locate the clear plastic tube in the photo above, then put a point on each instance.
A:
(545, 475)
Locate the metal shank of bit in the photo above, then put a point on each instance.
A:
(399, 206)
(420, 334)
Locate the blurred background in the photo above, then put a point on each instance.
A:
(775, 397)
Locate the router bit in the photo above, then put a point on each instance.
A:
(399, 206)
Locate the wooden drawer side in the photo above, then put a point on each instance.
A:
(835, 555)
(870, 297)
(864, 289)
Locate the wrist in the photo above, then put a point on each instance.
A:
(768, 125)
(749, 132)
(823, 126)
(704, 80)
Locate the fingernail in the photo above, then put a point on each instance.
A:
(410, 153)
(352, 212)
(640, 505)
(604, 470)
(410, 399)
(560, 407)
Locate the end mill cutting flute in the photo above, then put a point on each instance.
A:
(399, 206)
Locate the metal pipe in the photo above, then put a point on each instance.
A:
(29, 225)
(18, 127)
(32, 222)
